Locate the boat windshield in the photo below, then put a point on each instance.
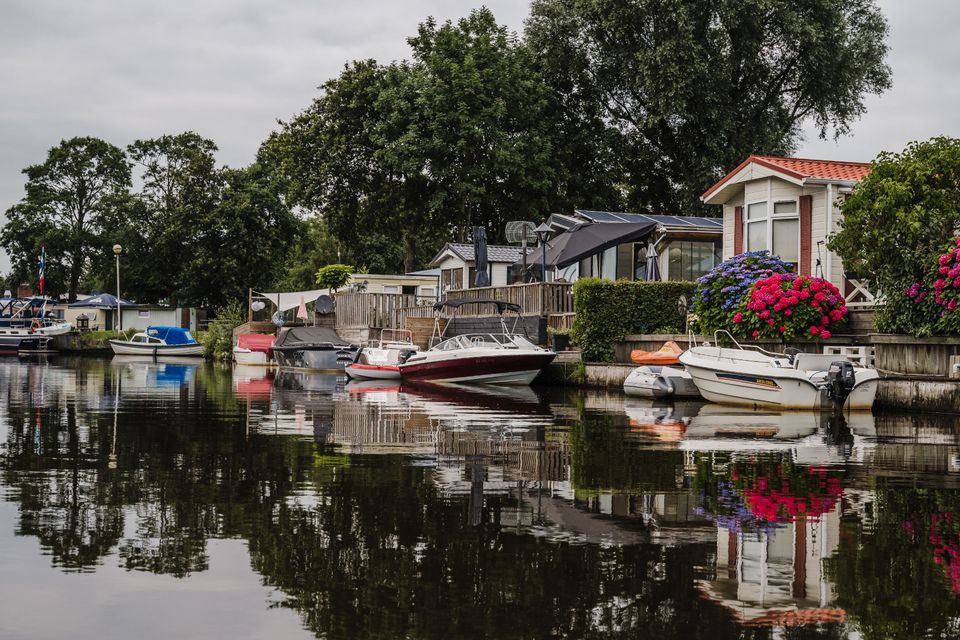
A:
(484, 341)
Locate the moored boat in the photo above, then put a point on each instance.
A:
(485, 358)
(159, 341)
(382, 362)
(317, 348)
(254, 349)
(660, 382)
(755, 377)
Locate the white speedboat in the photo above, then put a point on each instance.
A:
(382, 362)
(758, 378)
(159, 341)
(485, 358)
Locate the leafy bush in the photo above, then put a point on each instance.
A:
(723, 291)
(895, 223)
(607, 311)
(334, 276)
(218, 342)
(789, 306)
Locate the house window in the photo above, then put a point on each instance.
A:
(391, 288)
(472, 275)
(428, 292)
(143, 314)
(777, 231)
(451, 279)
(688, 260)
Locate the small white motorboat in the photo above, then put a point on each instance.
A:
(254, 349)
(382, 362)
(660, 382)
(159, 341)
(751, 376)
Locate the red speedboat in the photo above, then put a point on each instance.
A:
(486, 358)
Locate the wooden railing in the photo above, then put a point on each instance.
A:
(537, 299)
(371, 310)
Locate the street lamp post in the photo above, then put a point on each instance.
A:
(117, 249)
(543, 232)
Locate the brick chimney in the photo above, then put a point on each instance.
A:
(24, 290)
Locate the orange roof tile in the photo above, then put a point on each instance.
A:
(802, 169)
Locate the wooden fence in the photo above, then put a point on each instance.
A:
(536, 299)
(371, 310)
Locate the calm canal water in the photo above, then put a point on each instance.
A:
(176, 500)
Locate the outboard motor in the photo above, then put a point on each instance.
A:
(840, 382)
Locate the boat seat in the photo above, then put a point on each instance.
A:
(814, 361)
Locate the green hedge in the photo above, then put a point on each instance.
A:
(607, 311)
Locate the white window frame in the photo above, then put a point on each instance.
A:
(770, 217)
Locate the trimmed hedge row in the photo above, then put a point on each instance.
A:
(608, 310)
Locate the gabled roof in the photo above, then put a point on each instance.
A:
(796, 170)
(495, 252)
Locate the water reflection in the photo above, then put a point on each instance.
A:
(441, 511)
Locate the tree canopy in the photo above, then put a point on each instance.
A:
(68, 198)
(909, 205)
(692, 87)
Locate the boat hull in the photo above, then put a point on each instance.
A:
(359, 371)
(13, 344)
(251, 358)
(320, 357)
(509, 368)
(660, 382)
(125, 348)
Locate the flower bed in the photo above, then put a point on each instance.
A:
(789, 306)
(938, 295)
(723, 291)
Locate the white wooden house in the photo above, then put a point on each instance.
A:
(790, 206)
(457, 271)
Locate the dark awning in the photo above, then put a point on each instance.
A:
(102, 301)
(459, 302)
(589, 239)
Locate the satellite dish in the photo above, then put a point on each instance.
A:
(324, 305)
(519, 231)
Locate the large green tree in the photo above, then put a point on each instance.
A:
(908, 207)
(692, 87)
(466, 133)
(68, 198)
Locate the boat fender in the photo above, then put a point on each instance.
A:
(841, 379)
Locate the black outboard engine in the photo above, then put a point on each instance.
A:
(840, 382)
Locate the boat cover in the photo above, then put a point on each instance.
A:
(308, 335)
(669, 353)
(171, 335)
(501, 305)
(257, 342)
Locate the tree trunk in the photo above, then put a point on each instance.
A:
(410, 252)
(75, 274)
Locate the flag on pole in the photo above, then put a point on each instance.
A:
(43, 260)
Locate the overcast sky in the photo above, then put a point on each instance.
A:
(227, 69)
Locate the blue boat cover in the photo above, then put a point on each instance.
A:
(172, 335)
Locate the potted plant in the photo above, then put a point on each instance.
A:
(560, 338)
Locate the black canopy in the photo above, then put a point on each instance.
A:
(457, 303)
(590, 239)
(102, 301)
(309, 335)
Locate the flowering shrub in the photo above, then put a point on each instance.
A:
(722, 292)
(790, 306)
(939, 293)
